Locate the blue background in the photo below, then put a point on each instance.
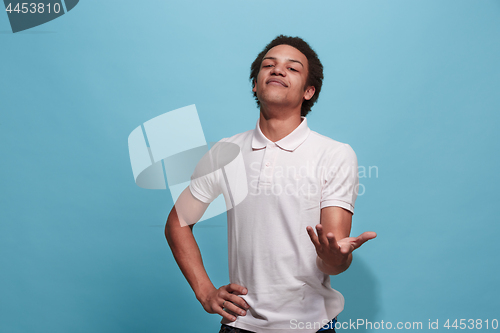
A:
(412, 86)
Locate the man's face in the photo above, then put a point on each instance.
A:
(282, 78)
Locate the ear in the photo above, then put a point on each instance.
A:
(309, 93)
(254, 89)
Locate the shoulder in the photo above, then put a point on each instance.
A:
(329, 146)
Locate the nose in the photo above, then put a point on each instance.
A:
(278, 70)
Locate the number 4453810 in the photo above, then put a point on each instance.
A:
(34, 8)
(471, 324)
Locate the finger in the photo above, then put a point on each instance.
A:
(369, 234)
(224, 314)
(238, 301)
(332, 241)
(322, 235)
(236, 289)
(235, 309)
(313, 236)
(365, 236)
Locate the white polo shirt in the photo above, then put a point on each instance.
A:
(270, 252)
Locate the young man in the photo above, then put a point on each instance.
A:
(296, 180)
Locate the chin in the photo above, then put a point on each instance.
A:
(272, 98)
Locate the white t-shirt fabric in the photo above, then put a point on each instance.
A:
(270, 252)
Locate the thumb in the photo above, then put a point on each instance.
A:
(365, 236)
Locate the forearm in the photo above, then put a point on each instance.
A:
(331, 269)
(187, 255)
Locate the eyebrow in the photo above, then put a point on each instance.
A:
(292, 60)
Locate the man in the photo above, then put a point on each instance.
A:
(296, 179)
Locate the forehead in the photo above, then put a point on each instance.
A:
(284, 52)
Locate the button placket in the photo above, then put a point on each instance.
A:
(267, 169)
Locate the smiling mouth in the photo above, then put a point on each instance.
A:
(276, 82)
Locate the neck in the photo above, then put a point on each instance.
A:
(276, 124)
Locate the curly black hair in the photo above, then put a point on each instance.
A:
(314, 77)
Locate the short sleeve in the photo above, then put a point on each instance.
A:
(205, 188)
(205, 181)
(340, 179)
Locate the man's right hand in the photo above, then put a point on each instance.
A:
(225, 302)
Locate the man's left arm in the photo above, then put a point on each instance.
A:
(332, 242)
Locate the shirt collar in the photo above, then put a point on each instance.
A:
(289, 142)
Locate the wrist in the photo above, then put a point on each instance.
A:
(203, 292)
(333, 268)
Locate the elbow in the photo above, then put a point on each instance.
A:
(166, 231)
(168, 226)
(173, 228)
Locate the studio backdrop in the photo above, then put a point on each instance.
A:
(412, 86)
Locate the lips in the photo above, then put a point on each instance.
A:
(275, 81)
